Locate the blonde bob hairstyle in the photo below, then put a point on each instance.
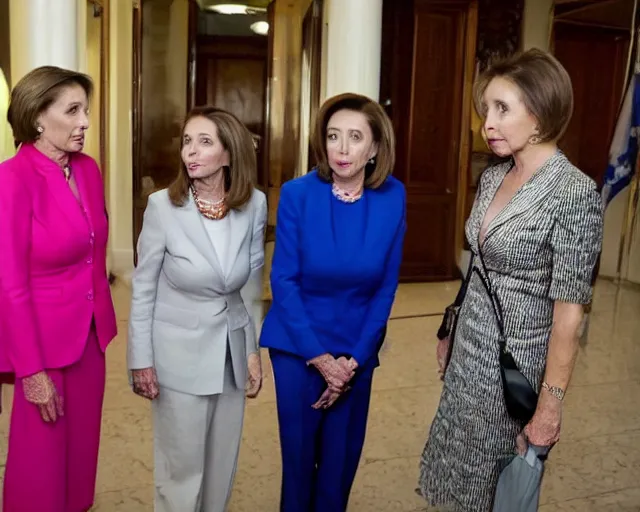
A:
(381, 127)
(236, 139)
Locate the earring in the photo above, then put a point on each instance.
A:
(372, 160)
(534, 140)
(40, 129)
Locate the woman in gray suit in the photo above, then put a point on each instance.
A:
(535, 232)
(194, 312)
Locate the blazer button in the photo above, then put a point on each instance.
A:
(90, 296)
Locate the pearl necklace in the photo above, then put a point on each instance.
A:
(344, 196)
(212, 210)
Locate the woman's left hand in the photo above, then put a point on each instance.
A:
(254, 375)
(544, 427)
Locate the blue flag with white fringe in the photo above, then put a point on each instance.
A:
(623, 153)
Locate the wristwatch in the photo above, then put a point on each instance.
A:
(554, 390)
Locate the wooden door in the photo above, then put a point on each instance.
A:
(596, 59)
(231, 73)
(426, 75)
(311, 79)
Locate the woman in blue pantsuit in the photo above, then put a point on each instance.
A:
(339, 237)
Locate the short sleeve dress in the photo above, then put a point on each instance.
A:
(541, 248)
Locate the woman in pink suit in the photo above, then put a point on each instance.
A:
(57, 313)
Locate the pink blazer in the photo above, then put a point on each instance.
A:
(53, 277)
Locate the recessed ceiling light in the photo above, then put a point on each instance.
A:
(260, 27)
(229, 8)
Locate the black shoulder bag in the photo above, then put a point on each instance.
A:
(520, 397)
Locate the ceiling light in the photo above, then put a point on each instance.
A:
(229, 8)
(260, 27)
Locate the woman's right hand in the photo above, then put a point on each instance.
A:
(334, 373)
(145, 383)
(40, 390)
(441, 355)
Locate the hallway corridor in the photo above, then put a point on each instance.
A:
(596, 466)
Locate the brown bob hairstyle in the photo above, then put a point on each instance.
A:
(545, 85)
(381, 127)
(34, 93)
(236, 139)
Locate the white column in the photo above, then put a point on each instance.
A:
(353, 45)
(43, 32)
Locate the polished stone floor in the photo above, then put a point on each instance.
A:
(595, 468)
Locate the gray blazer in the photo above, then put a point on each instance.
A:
(184, 307)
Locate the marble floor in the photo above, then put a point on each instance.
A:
(595, 468)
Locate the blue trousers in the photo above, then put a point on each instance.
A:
(320, 448)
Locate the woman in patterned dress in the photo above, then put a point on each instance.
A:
(537, 221)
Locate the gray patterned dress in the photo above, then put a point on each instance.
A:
(542, 247)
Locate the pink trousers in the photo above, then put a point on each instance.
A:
(51, 467)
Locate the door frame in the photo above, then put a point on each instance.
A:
(136, 119)
(311, 48)
(100, 10)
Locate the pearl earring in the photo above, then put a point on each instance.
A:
(40, 129)
(372, 161)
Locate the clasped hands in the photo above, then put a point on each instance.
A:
(337, 373)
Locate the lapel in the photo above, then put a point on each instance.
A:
(84, 189)
(489, 184)
(57, 186)
(191, 221)
(239, 224)
(531, 195)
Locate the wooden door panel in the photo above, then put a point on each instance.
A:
(423, 76)
(232, 74)
(237, 85)
(434, 220)
(434, 127)
(596, 62)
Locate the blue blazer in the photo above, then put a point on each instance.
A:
(335, 269)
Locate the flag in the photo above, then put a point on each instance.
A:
(623, 153)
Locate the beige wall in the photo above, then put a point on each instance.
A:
(120, 174)
(89, 30)
(536, 23)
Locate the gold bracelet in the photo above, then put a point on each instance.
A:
(554, 390)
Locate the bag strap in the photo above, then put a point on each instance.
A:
(465, 284)
(495, 302)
